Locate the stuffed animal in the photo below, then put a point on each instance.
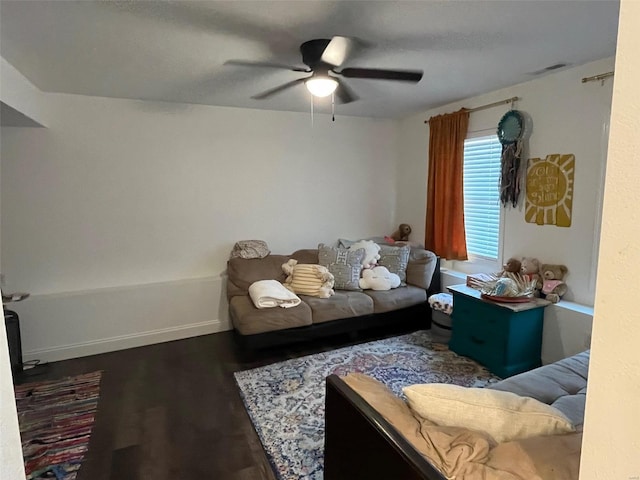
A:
(379, 278)
(372, 252)
(553, 286)
(402, 234)
(530, 268)
(513, 265)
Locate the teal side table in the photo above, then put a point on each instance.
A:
(504, 337)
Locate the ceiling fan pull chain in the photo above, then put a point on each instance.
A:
(333, 107)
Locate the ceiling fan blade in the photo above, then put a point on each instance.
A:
(378, 74)
(243, 63)
(273, 91)
(337, 51)
(344, 93)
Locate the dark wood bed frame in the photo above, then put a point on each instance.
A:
(361, 445)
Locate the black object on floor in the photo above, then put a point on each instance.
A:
(12, 324)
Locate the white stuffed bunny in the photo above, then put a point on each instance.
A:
(372, 252)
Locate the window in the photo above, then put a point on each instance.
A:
(481, 177)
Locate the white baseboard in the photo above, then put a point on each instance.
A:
(64, 352)
(66, 325)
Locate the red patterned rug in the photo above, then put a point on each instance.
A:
(56, 418)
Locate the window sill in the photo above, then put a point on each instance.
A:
(456, 275)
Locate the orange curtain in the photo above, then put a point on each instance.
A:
(444, 231)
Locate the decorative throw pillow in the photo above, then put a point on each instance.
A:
(503, 415)
(345, 243)
(345, 265)
(308, 279)
(396, 260)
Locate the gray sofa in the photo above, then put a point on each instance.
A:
(346, 311)
(371, 434)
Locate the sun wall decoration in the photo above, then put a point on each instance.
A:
(549, 198)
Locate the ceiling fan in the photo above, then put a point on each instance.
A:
(323, 57)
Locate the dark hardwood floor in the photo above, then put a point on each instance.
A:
(173, 410)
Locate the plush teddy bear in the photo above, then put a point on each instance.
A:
(530, 268)
(379, 278)
(372, 252)
(513, 265)
(402, 234)
(553, 286)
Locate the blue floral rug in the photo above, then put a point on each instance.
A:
(286, 400)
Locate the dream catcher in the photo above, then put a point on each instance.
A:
(510, 130)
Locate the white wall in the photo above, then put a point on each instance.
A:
(21, 95)
(567, 117)
(611, 447)
(141, 198)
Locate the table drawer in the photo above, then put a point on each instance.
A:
(480, 331)
(476, 315)
(480, 343)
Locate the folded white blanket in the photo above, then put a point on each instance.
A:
(271, 293)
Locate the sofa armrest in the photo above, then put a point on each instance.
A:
(242, 272)
(423, 270)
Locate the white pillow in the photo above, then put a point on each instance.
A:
(308, 279)
(503, 415)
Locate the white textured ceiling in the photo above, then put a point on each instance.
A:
(174, 51)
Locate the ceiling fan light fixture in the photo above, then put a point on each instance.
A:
(321, 86)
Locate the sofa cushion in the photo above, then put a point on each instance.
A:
(248, 320)
(306, 255)
(402, 297)
(573, 407)
(344, 264)
(242, 272)
(555, 457)
(344, 304)
(561, 384)
(505, 416)
(463, 453)
(396, 260)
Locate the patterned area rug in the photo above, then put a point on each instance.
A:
(286, 400)
(55, 420)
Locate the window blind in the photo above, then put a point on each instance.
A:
(481, 177)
